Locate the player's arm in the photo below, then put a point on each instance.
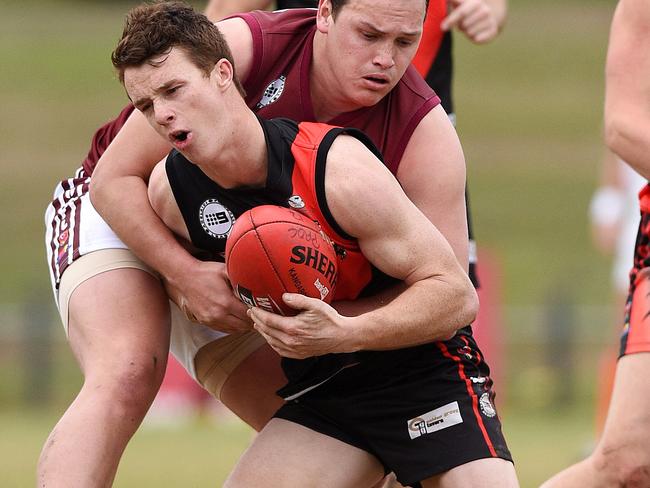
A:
(432, 174)
(218, 9)
(437, 297)
(627, 82)
(397, 238)
(119, 192)
(480, 20)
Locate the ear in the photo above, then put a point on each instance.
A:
(324, 17)
(222, 73)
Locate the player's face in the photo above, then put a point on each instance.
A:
(370, 44)
(180, 102)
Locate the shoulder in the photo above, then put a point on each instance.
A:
(413, 85)
(291, 21)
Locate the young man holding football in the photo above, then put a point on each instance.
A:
(367, 409)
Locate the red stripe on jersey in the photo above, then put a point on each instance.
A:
(432, 36)
(470, 390)
(355, 271)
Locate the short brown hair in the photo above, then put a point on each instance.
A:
(152, 29)
(337, 5)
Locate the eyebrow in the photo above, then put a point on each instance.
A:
(372, 27)
(165, 86)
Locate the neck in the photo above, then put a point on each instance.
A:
(242, 160)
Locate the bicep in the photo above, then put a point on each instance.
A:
(368, 203)
(432, 174)
(628, 59)
(163, 202)
(627, 94)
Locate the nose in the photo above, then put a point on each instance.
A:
(163, 113)
(384, 57)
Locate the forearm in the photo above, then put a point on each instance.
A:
(119, 193)
(429, 310)
(141, 230)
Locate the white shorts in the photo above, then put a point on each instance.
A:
(80, 245)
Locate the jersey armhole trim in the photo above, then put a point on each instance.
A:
(321, 163)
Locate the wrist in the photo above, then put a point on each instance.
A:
(176, 264)
(353, 338)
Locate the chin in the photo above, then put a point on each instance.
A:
(368, 99)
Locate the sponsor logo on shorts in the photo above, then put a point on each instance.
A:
(272, 92)
(486, 405)
(435, 420)
(216, 220)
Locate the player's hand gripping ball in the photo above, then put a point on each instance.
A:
(272, 250)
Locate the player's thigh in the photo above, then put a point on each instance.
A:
(482, 473)
(117, 317)
(287, 455)
(627, 428)
(250, 389)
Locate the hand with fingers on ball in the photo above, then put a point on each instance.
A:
(282, 265)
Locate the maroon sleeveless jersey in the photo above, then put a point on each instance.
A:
(278, 86)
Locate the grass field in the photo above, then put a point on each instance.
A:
(529, 113)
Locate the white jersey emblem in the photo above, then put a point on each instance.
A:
(216, 220)
(272, 92)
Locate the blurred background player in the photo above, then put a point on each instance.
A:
(622, 455)
(614, 217)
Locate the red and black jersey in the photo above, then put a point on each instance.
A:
(297, 157)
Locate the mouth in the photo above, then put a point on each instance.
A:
(379, 80)
(180, 138)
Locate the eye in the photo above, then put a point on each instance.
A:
(369, 36)
(144, 108)
(404, 42)
(172, 90)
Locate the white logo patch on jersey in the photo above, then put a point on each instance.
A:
(486, 405)
(272, 92)
(296, 202)
(216, 220)
(435, 420)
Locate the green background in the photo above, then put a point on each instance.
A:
(529, 115)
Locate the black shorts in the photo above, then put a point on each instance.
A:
(421, 411)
